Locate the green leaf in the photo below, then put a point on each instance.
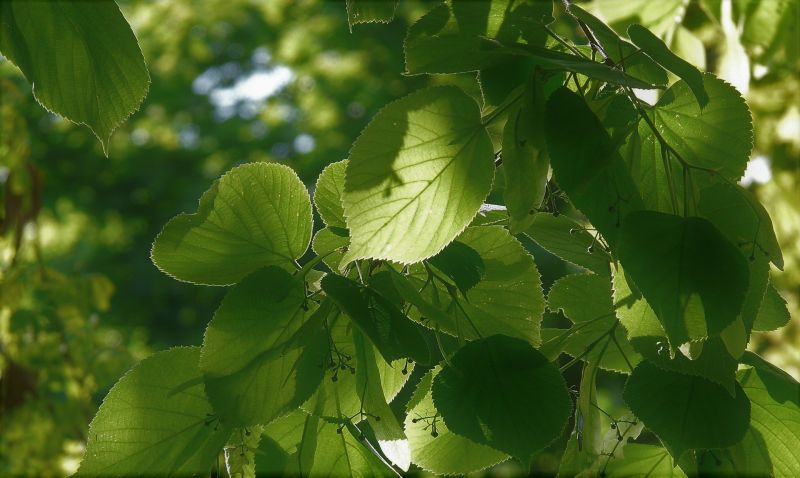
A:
(460, 263)
(657, 50)
(330, 449)
(593, 342)
(375, 408)
(739, 215)
(156, 418)
(581, 297)
(773, 313)
(508, 299)
(569, 241)
(684, 411)
(256, 215)
(370, 11)
(81, 58)
(587, 166)
(660, 17)
(328, 194)
(450, 37)
(525, 160)
(255, 364)
(436, 449)
(719, 137)
(501, 392)
(393, 334)
(773, 440)
(643, 461)
(692, 277)
(330, 243)
(416, 176)
(559, 61)
(620, 51)
(647, 337)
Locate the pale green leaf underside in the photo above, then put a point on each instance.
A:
(416, 176)
(328, 194)
(643, 461)
(256, 215)
(718, 137)
(81, 58)
(446, 453)
(156, 419)
(772, 444)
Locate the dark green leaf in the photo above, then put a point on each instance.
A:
(393, 334)
(370, 11)
(525, 160)
(81, 57)
(434, 447)
(460, 263)
(587, 166)
(684, 411)
(503, 393)
(692, 277)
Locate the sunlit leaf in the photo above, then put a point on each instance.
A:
(773, 313)
(656, 49)
(771, 445)
(416, 176)
(256, 367)
(370, 11)
(719, 137)
(81, 58)
(503, 393)
(156, 418)
(390, 435)
(328, 194)
(507, 300)
(256, 215)
(643, 461)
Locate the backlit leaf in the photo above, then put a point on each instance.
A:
(156, 418)
(256, 215)
(416, 176)
(81, 58)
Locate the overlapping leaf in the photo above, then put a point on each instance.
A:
(434, 447)
(685, 411)
(256, 367)
(501, 392)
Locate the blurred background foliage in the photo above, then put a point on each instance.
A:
(236, 81)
